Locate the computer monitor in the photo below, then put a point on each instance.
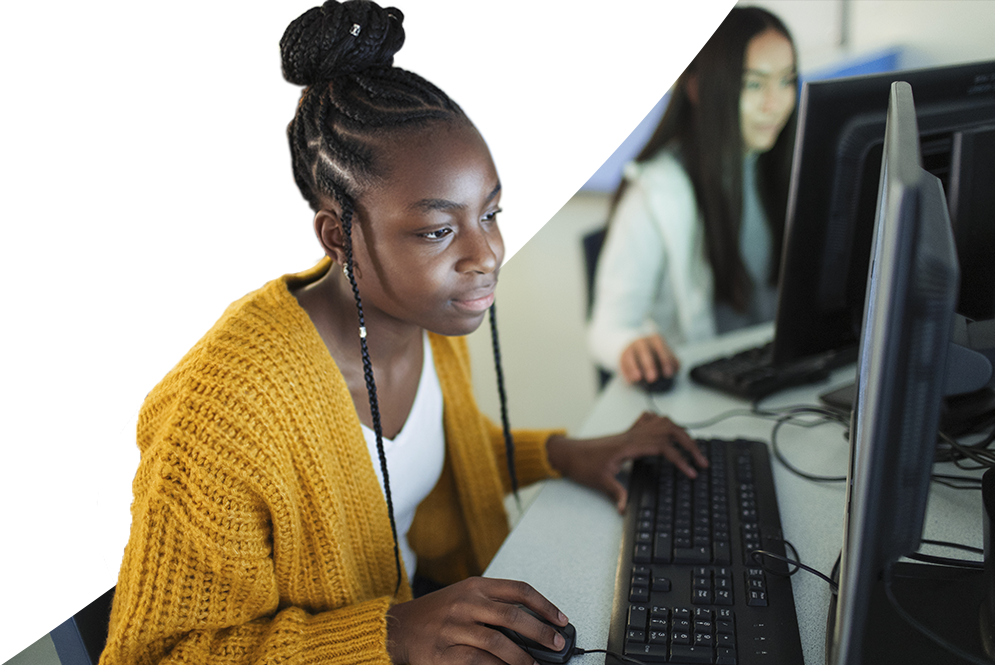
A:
(24, 147)
(912, 288)
(833, 190)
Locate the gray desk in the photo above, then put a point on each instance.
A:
(39, 380)
(566, 544)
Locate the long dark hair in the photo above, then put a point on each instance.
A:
(708, 139)
(354, 98)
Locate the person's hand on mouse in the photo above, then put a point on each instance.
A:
(596, 462)
(646, 357)
(447, 626)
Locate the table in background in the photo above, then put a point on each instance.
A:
(566, 544)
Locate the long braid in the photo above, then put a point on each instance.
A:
(371, 385)
(509, 444)
(353, 103)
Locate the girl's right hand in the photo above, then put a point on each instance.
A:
(448, 626)
(646, 358)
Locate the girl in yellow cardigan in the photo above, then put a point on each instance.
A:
(265, 524)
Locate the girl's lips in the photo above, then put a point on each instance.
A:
(476, 305)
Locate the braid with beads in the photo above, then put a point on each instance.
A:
(354, 99)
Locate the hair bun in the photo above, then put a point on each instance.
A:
(340, 38)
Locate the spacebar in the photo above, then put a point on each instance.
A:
(701, 554)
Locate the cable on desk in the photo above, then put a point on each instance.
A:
(954, 451)
(947, 561)
(827, 417)
(957, 482)
(889, 573)
(625, 659)
(756, 554)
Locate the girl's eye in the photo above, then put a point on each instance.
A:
(492, 216)
(752, 85)
(438, 234)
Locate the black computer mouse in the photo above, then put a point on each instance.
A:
(541, 653)
(661, 385)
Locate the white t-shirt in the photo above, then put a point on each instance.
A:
(415, 456)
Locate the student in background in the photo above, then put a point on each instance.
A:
(176, 122)
(44, 24)
(109, 192)
(316, 483)
(271, 182)
(694, 238)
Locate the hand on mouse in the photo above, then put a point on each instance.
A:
(646, 357)
(596, 462)
(447, 626)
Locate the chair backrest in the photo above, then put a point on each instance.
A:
(157, 304)
(592, 242)
(74, 569)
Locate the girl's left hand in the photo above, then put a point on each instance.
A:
(596, 462)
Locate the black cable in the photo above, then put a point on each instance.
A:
(971, 483)
(946, 561)
(625, 659)
(955, 546)
(833, 586)
(791, 467)
(926, 632)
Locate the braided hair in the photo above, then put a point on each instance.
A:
(353, 99)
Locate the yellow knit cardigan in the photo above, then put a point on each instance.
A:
(259, 530)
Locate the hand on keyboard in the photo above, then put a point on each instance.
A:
(596, 462)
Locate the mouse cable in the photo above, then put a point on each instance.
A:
(625, 659)
(926, 632)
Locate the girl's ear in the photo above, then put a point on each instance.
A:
(328, 228)
(691, 87)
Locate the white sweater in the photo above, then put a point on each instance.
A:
(652, 273)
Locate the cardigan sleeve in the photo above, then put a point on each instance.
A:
(200, 582)
(531, 461)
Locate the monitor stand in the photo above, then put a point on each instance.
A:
(946, 600)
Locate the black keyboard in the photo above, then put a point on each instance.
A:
(752, 373)
(686, 588)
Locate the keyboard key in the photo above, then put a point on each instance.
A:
(725, 657)
(648, 653)
(638, 617)
(693, 554)
(691, 654)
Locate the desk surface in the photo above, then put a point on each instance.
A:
(566, 543)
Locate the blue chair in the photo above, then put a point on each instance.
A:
(159, 303)
(74, 569)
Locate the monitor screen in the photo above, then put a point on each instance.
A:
(24, 147)
(911, 293)
(834, 186)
